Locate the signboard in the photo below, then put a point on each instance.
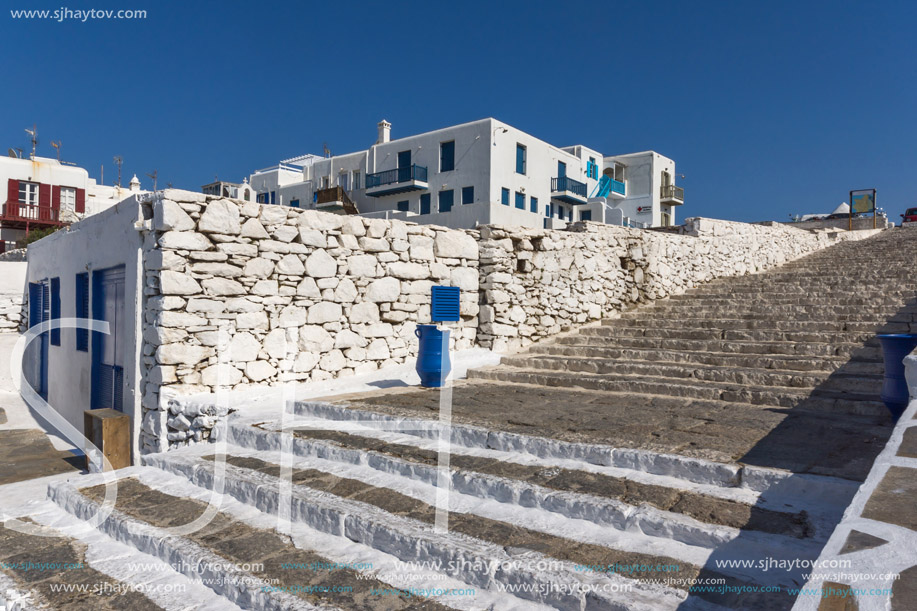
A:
(862, 201)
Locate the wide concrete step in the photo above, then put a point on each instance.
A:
(839, 300)
(768, 310)
(786, 362)
(770, 315)
(826, 337)
(245, 561)
(521, 484)
(751, 323)
(848, 350)
(866, 404)
(402, 528)
(51, 560)
(868, 384)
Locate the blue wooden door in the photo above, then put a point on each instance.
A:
(108, 352)
(37, 358)
(404, 166)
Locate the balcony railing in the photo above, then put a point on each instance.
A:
(30, 213)
(671, 192)
(569, 185)
(617, 187)
(398, 175)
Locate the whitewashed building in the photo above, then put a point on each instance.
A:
(41, 192)
(478, 173)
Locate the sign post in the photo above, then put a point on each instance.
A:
(861, 201)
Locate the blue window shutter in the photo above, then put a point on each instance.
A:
(444, 305)
(467, 195)
(533, 204)
(425, 203)
(55, 310)
(520, 200)
(82, 310)
(446, 200)
(34, 303)
(504, 196)
(520, 159)
(273, 193)
(447, 156)
(403, 205)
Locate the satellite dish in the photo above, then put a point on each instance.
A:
(12, 153)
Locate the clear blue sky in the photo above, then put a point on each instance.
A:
(768, 108)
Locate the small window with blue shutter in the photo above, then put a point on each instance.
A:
(403, 206)
(533, 204)
(504, 196)
(444, 305)
(467, 195)
(520, 200)
(425, 203)
(446, 199)
(520, 159)
(447, 156)
(82, 310)
(55, 310)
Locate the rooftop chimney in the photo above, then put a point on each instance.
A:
(385, 131)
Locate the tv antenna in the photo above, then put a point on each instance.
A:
(34, 135)
(56, 146)
(118, 162)
(154, 174)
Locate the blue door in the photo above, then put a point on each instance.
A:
(37, 361)
(108, 353)
(561, 169)
(404, 166)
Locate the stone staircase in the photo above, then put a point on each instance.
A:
(611, 468)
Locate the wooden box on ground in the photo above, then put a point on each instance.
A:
(110, 431)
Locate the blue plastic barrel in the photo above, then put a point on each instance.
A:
(433, 364)
(896, 346)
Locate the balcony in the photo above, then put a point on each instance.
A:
(672, 195)
(336, 200)
(23, 216)
(399, 180)
(568, 190)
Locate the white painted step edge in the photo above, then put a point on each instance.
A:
(829, 490)
(644, 520)
(241, 587)
(413, 541)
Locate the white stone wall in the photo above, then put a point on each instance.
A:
(12, 296)
(537, 283)
(241, 295)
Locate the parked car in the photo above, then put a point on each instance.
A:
(909, 217)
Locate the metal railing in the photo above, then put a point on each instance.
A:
(16, 211)
(673, 192)
(617, 187)
(565, 183)
(389, 177)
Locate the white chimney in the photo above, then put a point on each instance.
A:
(385, 131)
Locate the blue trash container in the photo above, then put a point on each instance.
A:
(896, 346)
(433, 363)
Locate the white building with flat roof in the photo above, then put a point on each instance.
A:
(478, 173)
(41, 192)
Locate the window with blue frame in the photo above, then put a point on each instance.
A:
(560, 212)
(585, 215)
(520, 159)
(547, 210)
(561, 169)
(294, 203)
(446, 199)
(262, 198)
(447, 156)
(520, 200)
(425, 203)
(467, 195)
(82, 310)
(533, 204)
(592, 170)
(504, 196)
(403, 206)
(55, 310)
(273, 197)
